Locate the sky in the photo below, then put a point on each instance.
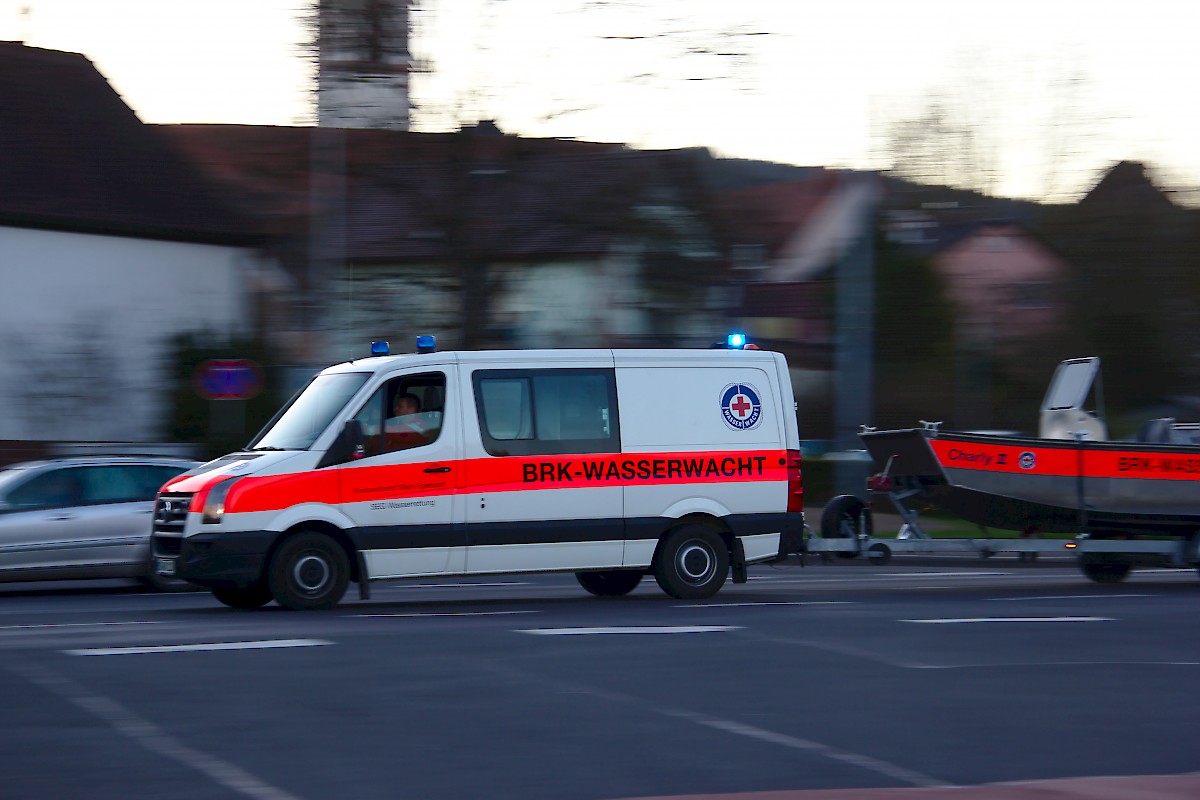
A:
(1056, 90)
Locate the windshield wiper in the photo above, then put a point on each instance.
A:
(264, 449)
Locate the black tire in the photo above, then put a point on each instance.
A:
(249, 598)
(308, 572)
(609, 582)
(160, 583)
(879, 553)
(840, 519)
(1102, 568)
(692, 563)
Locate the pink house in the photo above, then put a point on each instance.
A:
(1004, 282)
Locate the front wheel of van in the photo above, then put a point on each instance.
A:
(609, 582)
(308, 572)
(692, 563)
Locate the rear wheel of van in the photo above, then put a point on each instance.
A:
(249, 598)
(609, 582)
(692, 563)
(308, 572)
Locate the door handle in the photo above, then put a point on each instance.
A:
(437, 469)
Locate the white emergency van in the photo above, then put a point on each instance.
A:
(612, 464)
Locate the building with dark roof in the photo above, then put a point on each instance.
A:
(483, 239)
(111, 243)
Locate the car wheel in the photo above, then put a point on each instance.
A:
(249, 598)
(160, 583)
(692, 563)
(1103, 568)
(609, 583)
(308, 572)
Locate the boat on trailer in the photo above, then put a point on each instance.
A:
(1127, 503)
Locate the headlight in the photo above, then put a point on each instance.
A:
(214, 504)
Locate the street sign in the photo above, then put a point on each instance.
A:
(228, 379)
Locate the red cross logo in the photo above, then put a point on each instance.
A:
(740, 405)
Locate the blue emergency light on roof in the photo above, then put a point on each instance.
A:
(426, 344)
(735, 341)
(380, 348)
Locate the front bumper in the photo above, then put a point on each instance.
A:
(214, 560)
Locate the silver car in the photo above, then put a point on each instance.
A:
(84, 517)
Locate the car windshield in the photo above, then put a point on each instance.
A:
(299, 424)
(10, 475)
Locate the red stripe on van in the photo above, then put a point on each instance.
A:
(353, 484)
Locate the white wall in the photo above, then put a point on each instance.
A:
(84, 320)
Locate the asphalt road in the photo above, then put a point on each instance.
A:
(821, 681)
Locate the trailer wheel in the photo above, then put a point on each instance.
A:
(308, 572)
(879, 553)
(609, 582)
(1103, 568)
(248, 599)
(840, 520)
(692, 563)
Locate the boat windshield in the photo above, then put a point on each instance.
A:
(1071, 383)
(309, 413)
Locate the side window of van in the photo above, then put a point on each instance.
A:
(547, 411)
(405, 412)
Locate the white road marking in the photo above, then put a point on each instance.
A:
(969, 620)
(73, 625)
(1069, 597)
(866, 762)
(266, 644)
(152, 737)
(445, 614)
(1015, 664)
(737, 605)
(639, 705)
(457, 585)
(938, 574)
(642, 629)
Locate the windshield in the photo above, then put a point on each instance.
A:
(1071, 383)
(299, 424)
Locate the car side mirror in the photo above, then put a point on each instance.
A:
(348, 445)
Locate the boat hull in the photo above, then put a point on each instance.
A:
(1049, 485)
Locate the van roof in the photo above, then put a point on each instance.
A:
(622, 357)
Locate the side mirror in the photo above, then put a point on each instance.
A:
(348, 446)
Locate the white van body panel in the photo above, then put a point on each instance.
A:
(542, 557)
(760, 547)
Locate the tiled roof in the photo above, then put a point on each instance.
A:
(771, 214)
(420, 196)
(76, 157)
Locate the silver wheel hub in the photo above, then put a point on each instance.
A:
(311, 573)
(696, 562)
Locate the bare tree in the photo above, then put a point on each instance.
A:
(975, 130)
(646, 47)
